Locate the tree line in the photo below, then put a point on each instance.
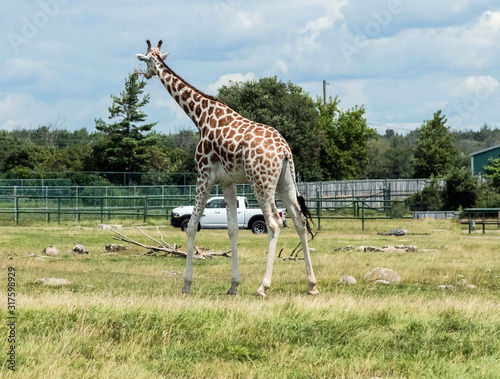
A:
(328, 142)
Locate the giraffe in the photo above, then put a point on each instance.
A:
(231, 150)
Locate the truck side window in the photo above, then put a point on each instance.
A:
(219, 203)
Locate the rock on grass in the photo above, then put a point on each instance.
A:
(52, 281)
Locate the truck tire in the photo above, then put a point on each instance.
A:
(184, 225)
(259, 227)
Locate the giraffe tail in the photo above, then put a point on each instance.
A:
(300, 199)
(305, 211)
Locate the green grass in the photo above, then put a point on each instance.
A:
(122, 318)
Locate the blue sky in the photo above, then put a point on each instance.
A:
(401, 59)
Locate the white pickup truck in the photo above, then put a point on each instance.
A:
(215, 216)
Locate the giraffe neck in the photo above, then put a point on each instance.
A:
(197, 105)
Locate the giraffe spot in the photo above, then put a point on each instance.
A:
(213, 123)
(230, 134)
(214, 158)
(225, 131)
(186, 109)
(164, 73)
(185, 95)
(202, 118)
(207, 146)
(203, 162)
(219, 112)
(177, 98)
(191, 105)
(258, 132)
(204, 103)
(198, 110)
(210, 110)
(180, 87)
(223, 154)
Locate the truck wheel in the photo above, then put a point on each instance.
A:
(184, 225)
(259, 227)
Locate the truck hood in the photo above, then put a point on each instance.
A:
(183, 210)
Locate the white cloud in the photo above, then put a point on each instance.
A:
(246, 20)
(428, 54)
(480, 86)
(280, 65)
(228, 78)
(314, 28)
(16, 110)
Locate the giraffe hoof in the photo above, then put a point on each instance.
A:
(261, 292)
(313, 291)
(232, 292)
(186, 291)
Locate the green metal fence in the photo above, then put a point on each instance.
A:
(105, 208)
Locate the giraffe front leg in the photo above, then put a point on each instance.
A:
(232, 230)
(203, 187)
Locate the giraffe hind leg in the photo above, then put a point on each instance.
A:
(273, 223)
(296, 207)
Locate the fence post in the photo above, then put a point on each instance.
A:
(484, 226)
(16, 207)
(363, 216)
(58, 210)
(318, 209)
(102, 209)
(145, 209)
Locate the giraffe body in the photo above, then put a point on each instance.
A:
(232, 150)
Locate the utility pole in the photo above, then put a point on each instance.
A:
(324, 92)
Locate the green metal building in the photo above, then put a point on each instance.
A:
(479, 159)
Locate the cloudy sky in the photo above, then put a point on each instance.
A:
(402, 59)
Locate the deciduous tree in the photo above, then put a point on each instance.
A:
(286, 107)
(434, 150)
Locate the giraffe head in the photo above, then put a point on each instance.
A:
(150, 56)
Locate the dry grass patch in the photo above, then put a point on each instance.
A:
(121, 317)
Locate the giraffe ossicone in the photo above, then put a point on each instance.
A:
(232, 150)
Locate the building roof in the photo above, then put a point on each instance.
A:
(484, 150)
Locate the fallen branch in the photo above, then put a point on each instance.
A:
(32, 255)
(165, 248)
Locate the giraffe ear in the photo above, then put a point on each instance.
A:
(143, 57)
(164, 56)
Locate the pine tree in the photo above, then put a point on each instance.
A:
(126, 148)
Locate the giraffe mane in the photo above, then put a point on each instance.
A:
(201, 93)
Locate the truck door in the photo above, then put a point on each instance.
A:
(241, 213)
(214, 215)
